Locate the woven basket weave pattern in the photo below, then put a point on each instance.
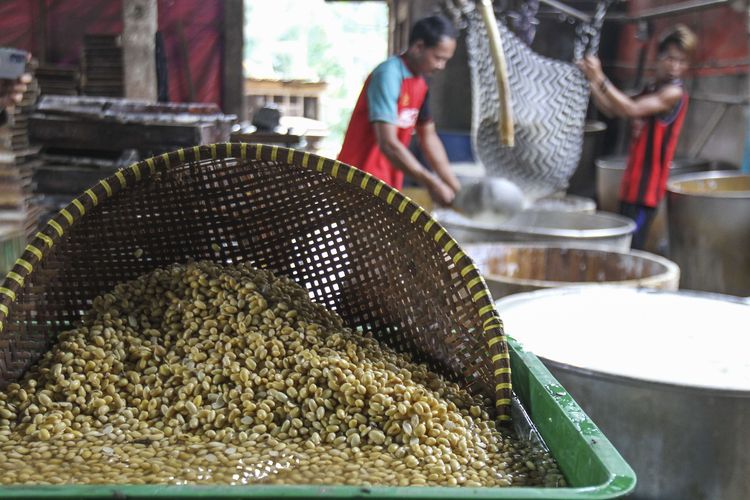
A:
(359, 247)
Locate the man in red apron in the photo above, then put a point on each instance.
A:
(393, 102)
(657, 115)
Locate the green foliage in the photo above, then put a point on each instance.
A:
(335, 42)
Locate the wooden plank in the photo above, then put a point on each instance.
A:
(233, 78)
(61, 132)
(138, 48)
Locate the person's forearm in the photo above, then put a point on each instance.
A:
(435, 153)
(601, 102)
(612, 99)
(401, 158)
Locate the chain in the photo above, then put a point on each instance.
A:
(525, 21)
(588, 35)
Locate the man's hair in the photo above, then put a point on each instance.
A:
(681, 37)
(431, 30)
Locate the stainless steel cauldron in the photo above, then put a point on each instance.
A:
(665, 375)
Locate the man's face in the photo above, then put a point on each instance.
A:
(431, 59)
(672, 63)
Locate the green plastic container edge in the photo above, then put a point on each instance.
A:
(585, 456)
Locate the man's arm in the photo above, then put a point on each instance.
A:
(602, 104)
(401, 158)
(611, 99)
(433, 149)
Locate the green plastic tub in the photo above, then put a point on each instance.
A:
(592, 466)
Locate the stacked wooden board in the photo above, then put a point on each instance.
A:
(102, 65)
(57, 80)
(18, 159)
(86, 138)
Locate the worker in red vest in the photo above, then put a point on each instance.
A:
(657, 113)
(393, 102)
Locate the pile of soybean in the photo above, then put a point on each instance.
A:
(229, 374)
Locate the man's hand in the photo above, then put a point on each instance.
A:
(11, 91)
(440, 192)
(591, 67)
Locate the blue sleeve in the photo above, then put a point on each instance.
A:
(383, 93)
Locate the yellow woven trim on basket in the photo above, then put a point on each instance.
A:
(402, 205)
(67, 215)
(37, 253)
(45, 238)
(479, 295)
(9, 293)
(16, 277)
(449, 245)
(93, 196)
(349, 175)
(4, 309)
(305, 159)
(197, 152)
(274, 152)
(335, 169)
(490, 320)
(213, 150)
(503, 402)
(391, 195)
(107, 187)
(494, 340)
(121, 178)
(416, 214)
(150, 163)
(495, 326)
(439, 234)
(243, 151)
(498, 357)
(258, 151)
(466, 270)
(79, 206)
(364, 182)
(290, 156)
(429, 224)
(24, 264)
(503, 385)
(1, 326)
(228, 148)
(485, 309)
(501, 371)
(181, 154)
(136, 168)
(458, 256)
(319, 166)
(378, 188)
(474, 282)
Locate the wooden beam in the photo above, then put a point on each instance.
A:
(138, 48)
(233, 94)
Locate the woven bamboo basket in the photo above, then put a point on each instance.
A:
(359, 247)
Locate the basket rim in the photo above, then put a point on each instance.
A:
(53, 232)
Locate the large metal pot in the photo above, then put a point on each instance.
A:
(709, 230)
(665, 375)
(514, 268)
(565, 203)
(584, 230)
(609, 171)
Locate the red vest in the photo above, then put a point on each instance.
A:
(360, 147)
(651, 151)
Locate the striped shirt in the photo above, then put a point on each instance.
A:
(651, 151)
